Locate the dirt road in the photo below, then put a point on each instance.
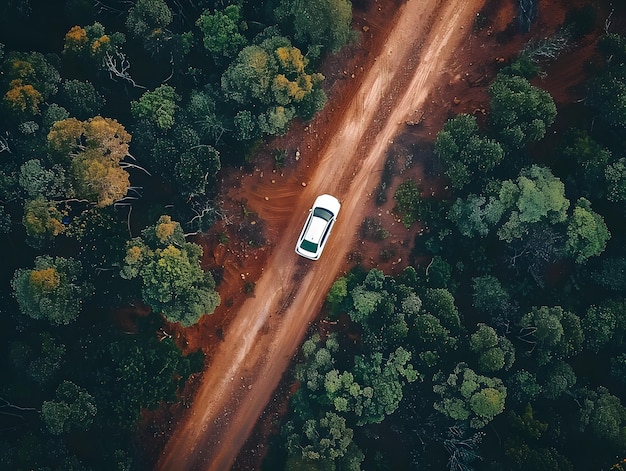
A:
(266, 332)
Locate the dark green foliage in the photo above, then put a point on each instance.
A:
(81, 99)
(465, 153)
(605, 325)
(552, 333)
(605, 417)
(322, 444)
(39, 182)
(555, 379)
(494, 352)
(148, 17)
(523, 386)
(466, 396)
(195, 169)
(615, 175)
(42, 364)
(373, 389)
(587, 233)
(408, 198)
(607, 92)
(318, 22)
(476, 215)
(523, 66)
(54, 290)
(489, 295)
(271, 84)
(73, 408)
(172, 281)
(158, 106)
(141, 373)
(588, 160)
(221, 31)
(520, 112)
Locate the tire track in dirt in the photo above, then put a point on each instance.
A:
(267, 330)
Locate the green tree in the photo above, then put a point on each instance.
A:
(195, 167)
(535, 196)
(604, 416)
(588, 160)
(201, 111)
(601, 325)
(467, 396)
(440, 303)
(173, 282)
(148, 17)
(587, 233)
(607, 94)
(40, 357)
(552, 332)
(323, 443)
(158, 106)
(42, 219)
(270, 81)
(373, 389)
(318, 22)
(615, 176)
(556, 378)
(74, 408)
(81, 99)
(408, 198)
(54, 290)
(476, 214)
(221, 31)
(488, 294)
(523, 386)
(465, 153)
(249, 77)
(40, 182)
(520, 112)
(494, 352)
(129, 373)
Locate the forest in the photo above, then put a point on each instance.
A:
(501, 347)
(115, 119)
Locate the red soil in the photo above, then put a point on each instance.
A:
(415, 60)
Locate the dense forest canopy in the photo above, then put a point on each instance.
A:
(501, 347)
(115, 118)
(505, 350)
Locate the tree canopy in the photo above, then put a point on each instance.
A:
(172, 280)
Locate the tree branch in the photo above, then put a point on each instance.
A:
(120, 70)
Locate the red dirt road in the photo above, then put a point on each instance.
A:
(266, 331)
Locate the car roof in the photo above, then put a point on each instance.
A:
(315, 229)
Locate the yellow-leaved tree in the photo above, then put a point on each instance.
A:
(94, 150)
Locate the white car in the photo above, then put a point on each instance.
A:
(314, 235)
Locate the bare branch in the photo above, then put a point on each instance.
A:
(131, 165)
(607, 22)
(118, 66)
(13, 406)
(4, 144)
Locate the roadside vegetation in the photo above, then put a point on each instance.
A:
(502, 345)
(115, 118)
